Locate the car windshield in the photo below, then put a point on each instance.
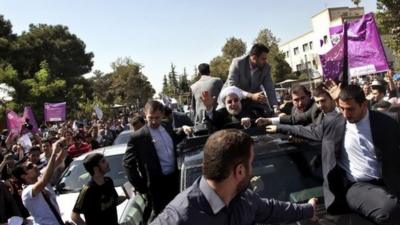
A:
(122, 138)
(76, 175)
(288, 175)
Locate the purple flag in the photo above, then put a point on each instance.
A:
(14, 122)
(55, 111)
(364, 47)
(333, 62)
(28, 114)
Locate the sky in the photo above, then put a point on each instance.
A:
(156, 33)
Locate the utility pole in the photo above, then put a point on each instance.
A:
(308, 72)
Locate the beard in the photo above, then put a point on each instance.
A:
(234, 112)
(244, 184)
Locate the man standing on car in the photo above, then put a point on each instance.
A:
(360, 158)
(98, 199)
(249, 73)
(222, 196)
(150, 159)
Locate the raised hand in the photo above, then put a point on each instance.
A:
(207, 100)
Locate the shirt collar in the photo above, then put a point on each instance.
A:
(363, 122)
(213, 199)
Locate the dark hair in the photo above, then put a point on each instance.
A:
(34, 148)
(258, 49)
(18, 171)
(352, 92)
(153, 106)
(380, 88)
(320, 91)
(223, 151)
(92, 160)
(382, 104)
(204, 69)
(137, 119)
(296, 89)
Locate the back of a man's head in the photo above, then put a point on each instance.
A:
(92, 160)
(354, 92)
(204, 69)
(223, 151)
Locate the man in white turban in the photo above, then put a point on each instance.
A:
(231, 116)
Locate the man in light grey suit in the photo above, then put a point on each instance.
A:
(248, 73)
(207, 83)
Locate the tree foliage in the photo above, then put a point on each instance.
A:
(233, 48)
(129, 86)
(175, 84)
(388, 18)
(280, 69)
(44, 64)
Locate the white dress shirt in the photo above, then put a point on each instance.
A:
(359, 159)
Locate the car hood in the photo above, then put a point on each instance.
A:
(66, 202)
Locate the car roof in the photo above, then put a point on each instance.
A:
(106, 151)
(265, 145)
(126, 131)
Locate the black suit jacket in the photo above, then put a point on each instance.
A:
(311, 115)
(141, 161)
(386, 139)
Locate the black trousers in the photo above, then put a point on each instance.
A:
(372, 200)
(163, 189)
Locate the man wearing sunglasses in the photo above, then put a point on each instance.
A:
(38, 196)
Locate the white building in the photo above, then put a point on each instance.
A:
(303, 52)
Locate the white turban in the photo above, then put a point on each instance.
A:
(228, 91)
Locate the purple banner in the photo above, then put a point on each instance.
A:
(14, 122)
(364, 48)
(55, 111)
(333, 62)
(28, 114)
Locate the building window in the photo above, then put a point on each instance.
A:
(305, 47)
(310, 44)
(296, 51)
(299, 67)
(287, 54)
(325, 39)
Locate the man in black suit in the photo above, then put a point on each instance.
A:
(150, 159)
(304, 112)
(360, 158)
(232, 114)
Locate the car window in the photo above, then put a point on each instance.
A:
(122, 138)
(289, 176)
(76, 175)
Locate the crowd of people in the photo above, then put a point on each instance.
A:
(357, 124)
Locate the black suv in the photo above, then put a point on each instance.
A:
(281, 169)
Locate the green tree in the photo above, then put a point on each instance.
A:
(183, 82)
(356, 2)
(33, 62)
(280, 69)
(173, 81)
(233, 48)
(129, 84)
(388, 18)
